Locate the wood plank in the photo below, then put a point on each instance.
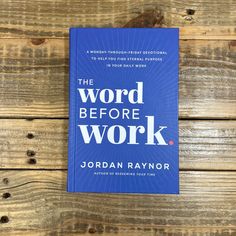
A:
(207, 33)
(50, 18)
(34, 78)
(203, 144)
(39, 205)
(42, 140)
(207, 84)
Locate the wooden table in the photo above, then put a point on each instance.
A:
(34, 120)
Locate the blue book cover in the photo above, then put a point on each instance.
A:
(123, 111)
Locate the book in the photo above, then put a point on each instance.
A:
(123, 110)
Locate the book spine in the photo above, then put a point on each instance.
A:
(72, 108)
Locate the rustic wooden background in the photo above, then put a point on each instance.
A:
(34, 120)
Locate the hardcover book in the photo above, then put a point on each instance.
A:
(123, 111)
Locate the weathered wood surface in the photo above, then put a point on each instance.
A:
(208, 19)
(34, 83)
(206, 145)
(36, 203)
(34, 78)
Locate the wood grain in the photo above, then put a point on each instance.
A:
(34, 78)
(39, 205)
(207, 85)
(33, 153)
(48, 18)
(203, 144)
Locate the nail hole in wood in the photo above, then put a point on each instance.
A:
(30, 153)
(32, 161)
(30, 135)
(4, 219)
(5, 180)
(6, 195)
(190, 12)
(92, 230)
(37, 41)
